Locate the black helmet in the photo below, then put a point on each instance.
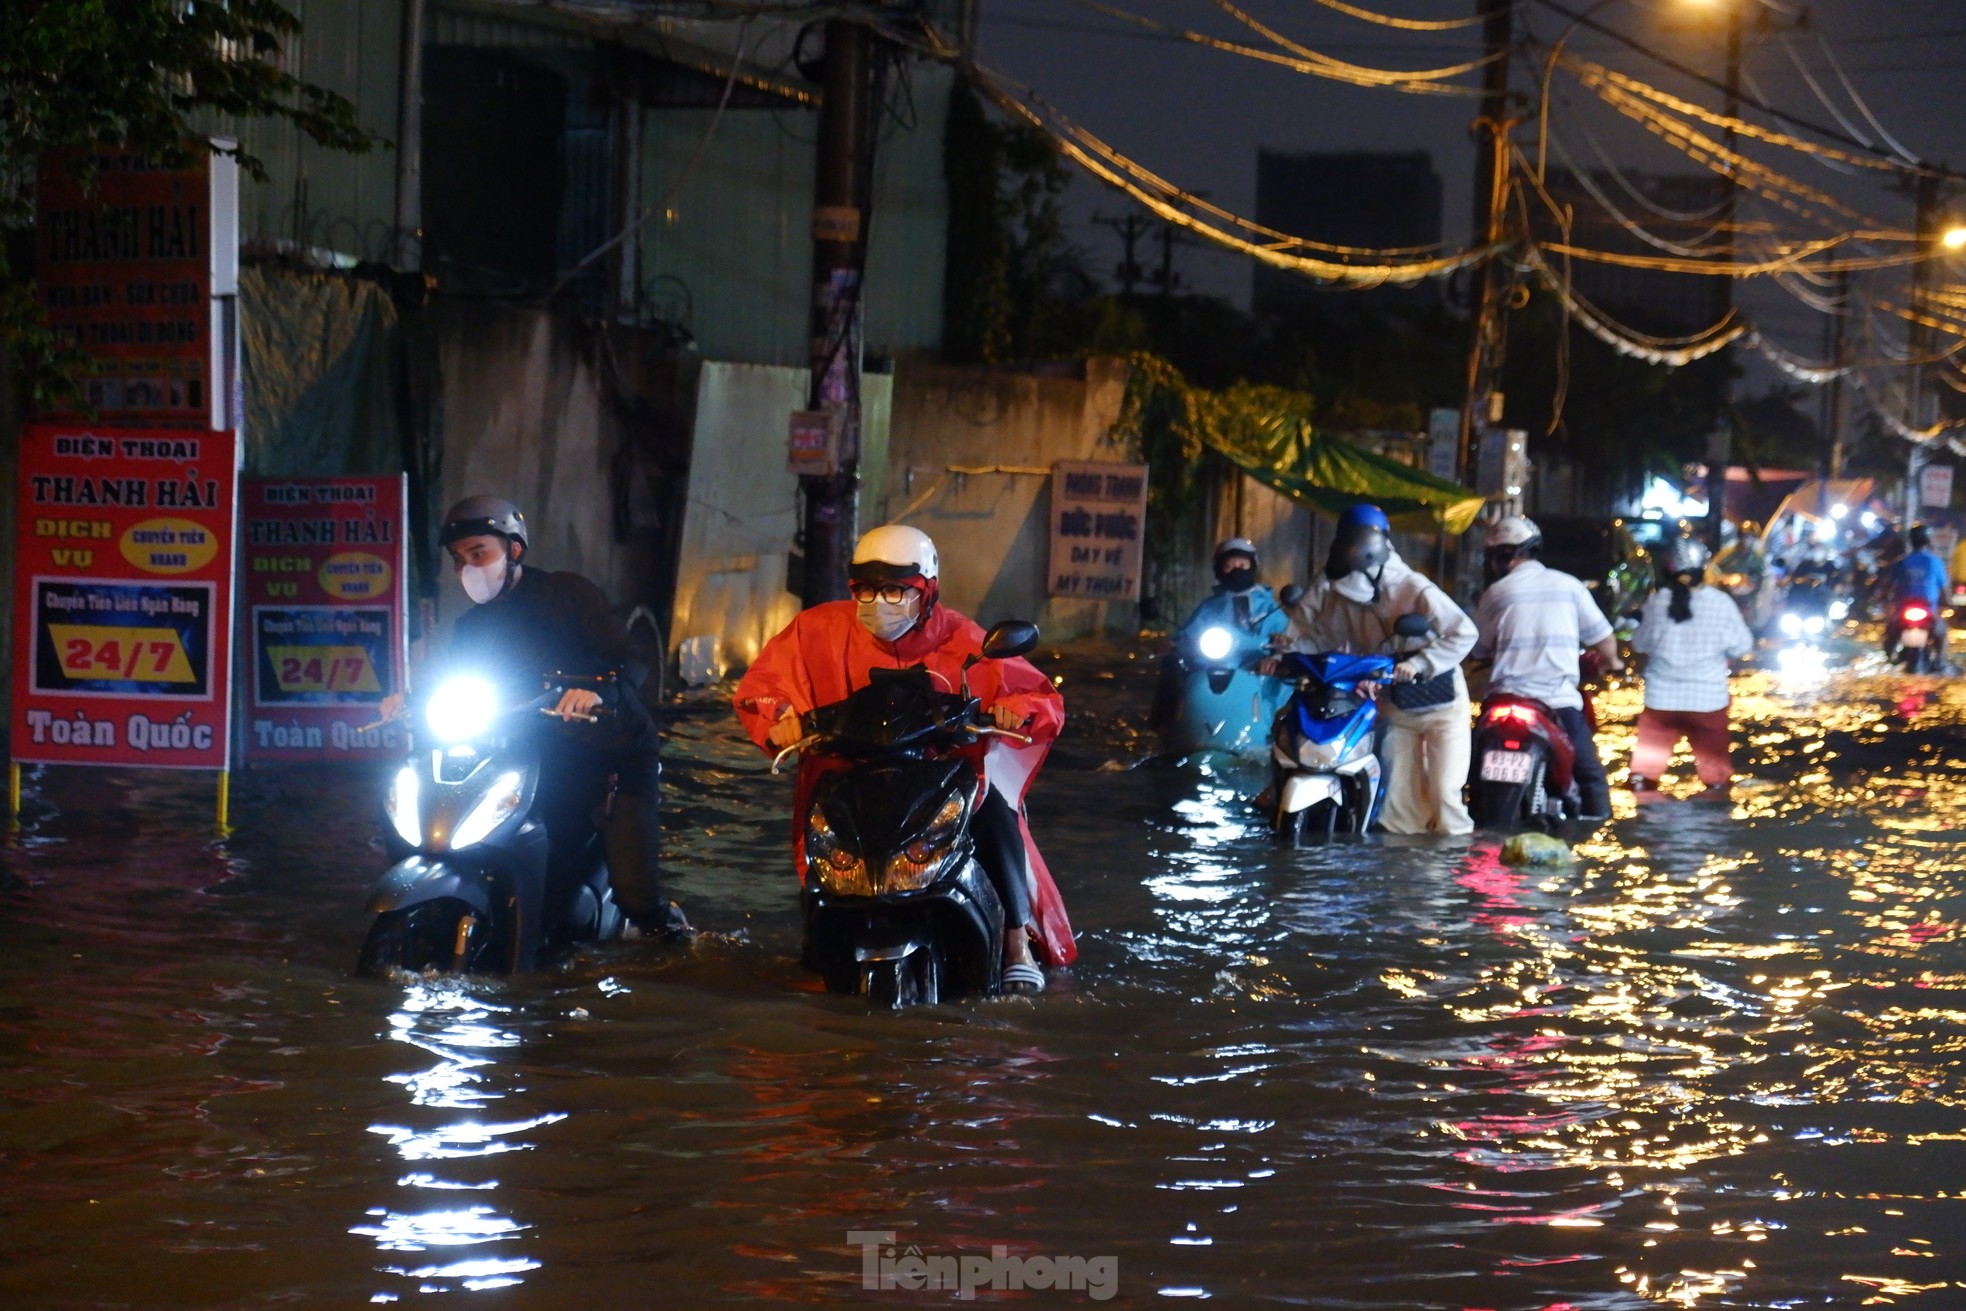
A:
(476, 516)
(1919, 537)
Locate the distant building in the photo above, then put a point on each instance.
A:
(1676, 209)
(1355, 198)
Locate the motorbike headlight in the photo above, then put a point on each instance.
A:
(916, 865)
(1318, 755)
(492, 810)
(1813, 625)
(400, 805)
(839, 871)
(462, 707)
(1215, 643)
(1839, 610)
(1791, 625)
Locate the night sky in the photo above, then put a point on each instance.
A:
(1198, 116)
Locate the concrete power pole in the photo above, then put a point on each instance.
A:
(1490, 324)
(841, 196)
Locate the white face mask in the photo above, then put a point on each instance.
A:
(889, 620)
(483, 582)
(1354, 586)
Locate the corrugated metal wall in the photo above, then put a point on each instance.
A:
(735, 252)
(734, 242)
(323, 198)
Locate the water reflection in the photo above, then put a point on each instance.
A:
(458, 1025)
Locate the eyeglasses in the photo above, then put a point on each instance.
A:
(892, 593)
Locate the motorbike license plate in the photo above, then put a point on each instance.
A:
(1505, 766)
(1916, 637)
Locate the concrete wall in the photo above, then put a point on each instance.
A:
(993, 529)
(743, 510)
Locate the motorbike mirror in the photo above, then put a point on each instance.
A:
(1413, 625)
(1012, 637)
(1290, 596)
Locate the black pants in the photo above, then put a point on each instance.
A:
(618, 795)
(1000, 851)
(1593, 787)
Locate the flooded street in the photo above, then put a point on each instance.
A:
(1717, 1063)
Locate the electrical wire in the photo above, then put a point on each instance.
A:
(1857, 100)
(1404, 24)
(1420, 82)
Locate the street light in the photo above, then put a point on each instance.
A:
(1953, 238)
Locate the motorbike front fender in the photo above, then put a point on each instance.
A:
(1302, 791)
(418, 879)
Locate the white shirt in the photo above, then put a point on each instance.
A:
(1326, 620)
(1686, 665)
(1533, 623)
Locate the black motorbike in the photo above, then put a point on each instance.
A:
(896, 906)
(474, 883)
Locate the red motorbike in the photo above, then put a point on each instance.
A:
(1917, 650)
(1524, 767)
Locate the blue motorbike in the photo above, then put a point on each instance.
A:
(1325, 768)
(1214, 699)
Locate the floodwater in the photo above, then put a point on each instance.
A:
(1717, 1063)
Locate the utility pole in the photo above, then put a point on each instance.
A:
(1131, 228)
(1480, 407)
(1839, 355)
(1720, 446)
(839, 262)
(1927, 200)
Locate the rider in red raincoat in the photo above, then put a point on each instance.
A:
(893, 622)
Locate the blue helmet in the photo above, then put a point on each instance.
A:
(1361, 545)
(1363, 516)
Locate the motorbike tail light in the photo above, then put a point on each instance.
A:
(1508, 744)
(1517, 714)
(1916, 614)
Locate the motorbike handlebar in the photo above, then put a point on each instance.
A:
(991, 730)
(584, 718)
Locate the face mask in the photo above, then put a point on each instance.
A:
(483, 582)
(1355, 586)
(1237, 579)
(889, 620)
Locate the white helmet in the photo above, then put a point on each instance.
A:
(1516, 530)
(894, 553)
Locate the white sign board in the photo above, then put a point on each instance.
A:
(1935, 485)
(1098, 517)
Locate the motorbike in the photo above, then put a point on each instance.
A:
(474, 884)
(1523, 767)
(1222, 703)
(1325, 769)
(1810, 613)
(1916, 650)
(896, 906)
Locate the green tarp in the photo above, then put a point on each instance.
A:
(1330, 474)
(1267, 433)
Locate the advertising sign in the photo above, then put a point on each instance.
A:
(1097, 514)
(325, 603)
(1935, 485)
(123, 570)
(127, 273)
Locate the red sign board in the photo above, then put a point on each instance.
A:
(325, 602)
(127, 272)
(123, 570)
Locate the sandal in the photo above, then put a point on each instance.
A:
(1022, 979)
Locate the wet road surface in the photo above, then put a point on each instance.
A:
(1717, 1063)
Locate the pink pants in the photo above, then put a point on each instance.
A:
(1659, 732)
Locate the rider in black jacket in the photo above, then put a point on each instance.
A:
(527, 623)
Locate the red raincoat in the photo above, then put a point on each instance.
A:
(823, 656)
